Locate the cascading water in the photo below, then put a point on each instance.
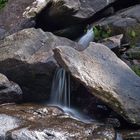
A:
(87, 38)
(60, 93)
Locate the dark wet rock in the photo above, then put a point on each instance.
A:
(54, 15)
(9, 91)
(11, 16)
(114, 122)
(71, 32)
(133, 134)
(26, 57)
(125, 22)
(106, 77)
(130, 134)
(48, 123)
(132, 57)
(104, 133)
(133, 53)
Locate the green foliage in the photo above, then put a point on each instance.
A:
(2, 3)
(132, 33)
(136, 69)
(101, 32)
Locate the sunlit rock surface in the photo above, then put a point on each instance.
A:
(37, 122)
(26, 57)
(106, 77)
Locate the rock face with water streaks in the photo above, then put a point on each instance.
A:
(9, 91)
(38, 122)
(26, 57)
(106, 76)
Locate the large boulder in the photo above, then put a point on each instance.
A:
(40, 122)
(26, 57)
(11, 17)
(106, 77)
(9, 91)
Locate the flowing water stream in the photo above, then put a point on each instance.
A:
(87, 38)
(61, 93)
(60, 96)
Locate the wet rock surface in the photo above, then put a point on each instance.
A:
(104, 74)
(9, 91)
(102, 86)
(130, 134)
(26, 57)
(37, 122)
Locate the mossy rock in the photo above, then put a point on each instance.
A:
(133, 35)
(101, 32)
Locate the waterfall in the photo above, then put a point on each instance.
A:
(60, 92)
(60, 96)
(87, 38)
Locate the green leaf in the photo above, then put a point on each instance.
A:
(133, 34)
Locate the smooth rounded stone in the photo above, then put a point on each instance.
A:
(26, 57)
(9, 91)
(106, 76)
(11, 18)
(40, 122)
(125, 22)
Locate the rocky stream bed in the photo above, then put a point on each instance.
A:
(39, 36)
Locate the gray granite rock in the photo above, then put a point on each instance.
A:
(106, 77)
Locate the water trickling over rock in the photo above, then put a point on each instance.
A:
(60, 92)
(60, 96)
(87, 38)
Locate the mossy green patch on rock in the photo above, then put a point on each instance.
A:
(101, 32)
(133, 35)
